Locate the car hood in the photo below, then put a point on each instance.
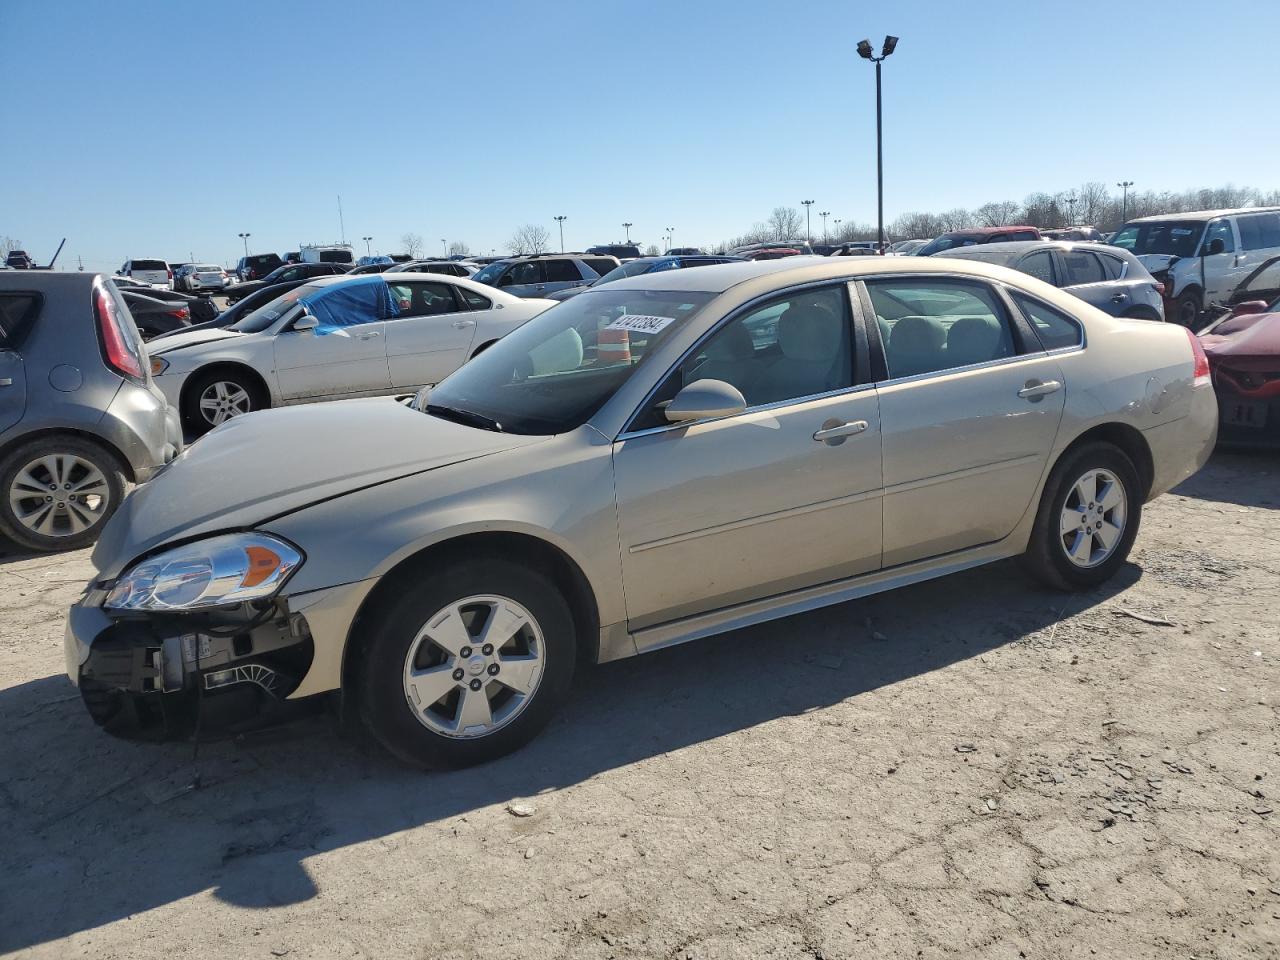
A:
(1157, 261)
(192, 338)
(267, 464)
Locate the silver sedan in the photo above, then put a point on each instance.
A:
(667, 457)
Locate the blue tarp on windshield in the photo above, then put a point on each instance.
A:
(350, 304)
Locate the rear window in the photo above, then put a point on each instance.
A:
(336, 256)
(207, 268)
(264, 260)
(17, 312)
(149, 265)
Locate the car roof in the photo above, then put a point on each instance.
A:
(988, 230)
(1204, 214)
(1015, 247)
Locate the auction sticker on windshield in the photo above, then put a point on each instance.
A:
(640, 323)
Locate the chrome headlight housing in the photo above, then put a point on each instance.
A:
(229, 568)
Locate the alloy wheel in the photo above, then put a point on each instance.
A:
(474, 666)
(60, 495)
(1093, 518)
(222, 400)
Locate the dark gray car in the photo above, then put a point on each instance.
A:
(79, 415)
(1109, 278)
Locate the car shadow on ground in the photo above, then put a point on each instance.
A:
(109, 829)
(1219, 483)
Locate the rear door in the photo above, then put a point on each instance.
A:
(561, 273)
(1084, 276)
(969, 408)
(18, 311)
(432, 335)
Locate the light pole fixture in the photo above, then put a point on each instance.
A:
(1071, 207)
(627, 227)
(560, 220)
(837, 222)
(866, 53)
(808, 238)
(245, 237)
(1124, 200)
(366, 240)
(444, 249)
(824, 214)
(671, 238)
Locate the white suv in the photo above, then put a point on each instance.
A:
(155, 273)
(1201, 257)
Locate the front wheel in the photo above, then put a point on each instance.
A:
(1186, 309)
(214, 398)
(467, 664)
(1088, 518)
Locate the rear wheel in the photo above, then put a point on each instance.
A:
(58, 492)
(467, 664)
(1186, 309)
(1088, 518)
(215, 397)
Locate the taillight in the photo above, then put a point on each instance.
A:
(1200, 372)
(182, 313)
(1160, 287)
(170, 272)
(115, 344)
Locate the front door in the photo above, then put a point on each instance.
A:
(743, 507)
(1223, 271)
(969, 411)
(431, 337)
(332, 361)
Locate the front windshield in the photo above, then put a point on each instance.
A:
(1179, 238)
(490, 273)
(273, 310)
(552, 374)
(946, 242)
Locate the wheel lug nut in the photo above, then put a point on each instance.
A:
(487, 649)
(475, 684)
(464, 652)
(458, 674)
(493, 669)
(66, 486)
(53, 486)
(48, 499)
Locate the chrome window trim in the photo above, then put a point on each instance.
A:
(833, 282)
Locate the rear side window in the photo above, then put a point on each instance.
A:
(1114, 267)
(559, 271)
(1081, 268)
(1055, 329)
(1038, 265)
(18, 312)
(1259, 231)
(474, 301)
(600, 266)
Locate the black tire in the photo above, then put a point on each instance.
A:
(380, 689)
(1186, 309)
(194, 419)
(1046, 557)
(64, 514)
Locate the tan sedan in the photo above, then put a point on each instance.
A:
(664, 458)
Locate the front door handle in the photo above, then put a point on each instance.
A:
(1120, 298)
(463, 324)
(1039, 388)
(834, 430)
(369, 335)
(6, 381)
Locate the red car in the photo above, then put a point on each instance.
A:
(770, 253)
(1244, 360)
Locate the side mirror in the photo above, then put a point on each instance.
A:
(1216, 245)
(305, 323)
(704, 399)
(1249, 306)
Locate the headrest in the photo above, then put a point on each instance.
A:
(810, 331)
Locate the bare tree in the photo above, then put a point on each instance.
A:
(957, 218)
(7, 244)
(785, 223)
(529, 240)
(651, 251)
(998, 213)
(916, 226)
(413, 244)
(458, 249)
(1092, 202)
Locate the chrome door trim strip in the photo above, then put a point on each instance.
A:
(908, 485)
(753, 521)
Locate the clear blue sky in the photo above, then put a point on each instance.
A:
(164, 129)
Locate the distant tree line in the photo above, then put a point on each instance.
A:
(1091, 204)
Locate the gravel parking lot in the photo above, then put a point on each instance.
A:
(973, 767)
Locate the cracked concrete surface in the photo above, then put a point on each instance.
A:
(1011, 773)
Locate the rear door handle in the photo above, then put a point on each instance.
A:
(838, 431)
(461, 324)
(1120, 298)
(1034, 390)
(6, 381)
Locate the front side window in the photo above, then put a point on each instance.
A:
(521, 274)
(553, 373)
(1055, 329)
(1038, 265)
(932, 325)
(1081, 267)
(1221, 230)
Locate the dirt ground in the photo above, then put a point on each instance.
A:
(972, 767)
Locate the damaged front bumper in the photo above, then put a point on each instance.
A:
(229, 669)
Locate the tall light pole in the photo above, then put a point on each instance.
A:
(864, 51)
(837, 222)
(808, 238)
(1124, 201)
(245, 237)
(366, 240)
(444, 249)
(824, 214)
(671, 238)
(560, 220)
(627, 227)
(1071, 206)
